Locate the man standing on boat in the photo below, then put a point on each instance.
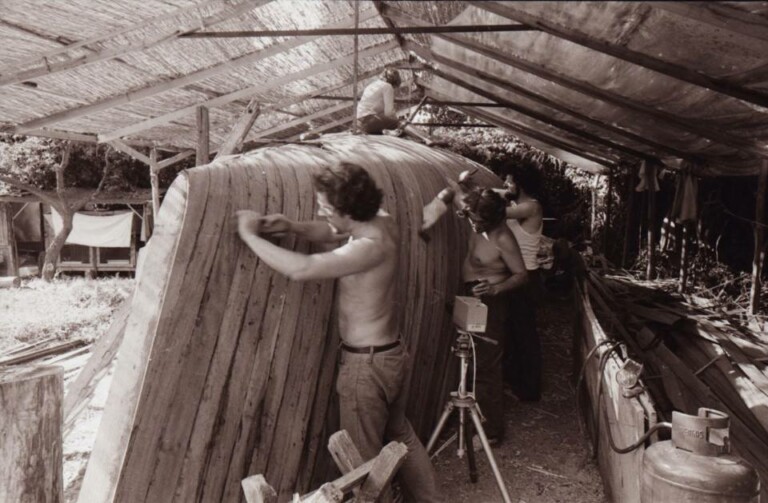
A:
(374, 363)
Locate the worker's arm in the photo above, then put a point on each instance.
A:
(521, 211)
(388, 95)
(314, 230)
(356, 256)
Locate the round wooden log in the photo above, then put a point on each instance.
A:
(10, 282)
(227, 368)
(30, 428)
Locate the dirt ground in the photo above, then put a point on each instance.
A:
(544, 456)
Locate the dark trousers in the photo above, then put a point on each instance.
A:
(375, 124)
(522, 351)
(489, 391)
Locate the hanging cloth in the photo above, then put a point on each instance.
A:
(643, 185)
(112, 231)
(685, 204)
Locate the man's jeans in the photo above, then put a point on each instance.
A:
(372, 404)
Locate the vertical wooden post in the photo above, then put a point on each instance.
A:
(759, 232)
(684, 250)
(593, 218)
(30, 425)
(355, 69)
(8, 242)
(154, 181)
(203, 134)
(608, 211)
(630, 209)
(650, 174)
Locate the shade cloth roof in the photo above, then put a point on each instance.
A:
(597, 82)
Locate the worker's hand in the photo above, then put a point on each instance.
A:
(248, 223)
(276, 224)
(483, 288)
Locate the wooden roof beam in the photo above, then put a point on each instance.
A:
(330, 32)
(240, 130)
(510, 11)
(301, 120)
(167, 85)
(535, 135)
(543, 118)
(427, 54)
(245, 93)
(719, 15)
(592, 91)
(47, 67)
(523, 129)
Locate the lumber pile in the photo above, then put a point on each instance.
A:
(693, 356)
(226, 368)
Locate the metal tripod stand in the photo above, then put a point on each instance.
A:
(464, 402)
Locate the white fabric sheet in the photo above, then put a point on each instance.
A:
(112, 231)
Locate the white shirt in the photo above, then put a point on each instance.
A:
(378, 99)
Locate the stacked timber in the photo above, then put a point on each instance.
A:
(694, 357)
(227, 368)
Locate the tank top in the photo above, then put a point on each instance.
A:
(529, 243)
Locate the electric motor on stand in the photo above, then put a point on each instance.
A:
(696, 464)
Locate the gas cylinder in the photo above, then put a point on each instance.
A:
(696, 464)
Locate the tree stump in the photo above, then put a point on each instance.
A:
(30, 434)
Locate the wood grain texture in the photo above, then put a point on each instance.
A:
(31, 404)
(228, 368)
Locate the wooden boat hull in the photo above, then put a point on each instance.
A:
(227, 368)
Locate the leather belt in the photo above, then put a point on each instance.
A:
(370, 349)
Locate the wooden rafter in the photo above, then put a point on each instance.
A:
(542, 117)
(288, 125)
(718, 15)
(245, 93)
(510, 11)
(533, 134)
(429, 55)
(393, 30)
(167, 85)
(586, 88)
(234, 139)
(47, 67)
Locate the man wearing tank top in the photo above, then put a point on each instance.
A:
(522, 360)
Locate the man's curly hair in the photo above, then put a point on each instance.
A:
(350, 189)
(525, 174)
(486, 204)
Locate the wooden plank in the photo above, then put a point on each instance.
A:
(176, 158)
(234, 140)
(167, 85)
(162, 270)
(623, 52)
(202, 153)
(257, 490)
(102, 355)
(650, 220)
(132, 152)
(170, 394)
(345, 454)
(30, 422)
(324, 32)
(384, 467)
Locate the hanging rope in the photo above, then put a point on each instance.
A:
(354, 82)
